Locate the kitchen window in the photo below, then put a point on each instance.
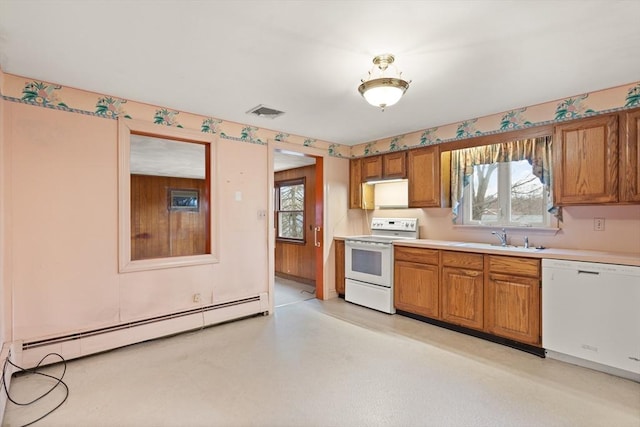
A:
(290, 210)
(505, 194)
(506, 184)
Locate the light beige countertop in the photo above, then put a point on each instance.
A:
(549, 253)
(620, 258)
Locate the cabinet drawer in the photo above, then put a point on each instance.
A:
(529, 267)
(422, 256)
(462, 259)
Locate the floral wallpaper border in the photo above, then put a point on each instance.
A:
(580, 106)
(49, 95)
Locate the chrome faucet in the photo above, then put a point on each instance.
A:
(502, 236)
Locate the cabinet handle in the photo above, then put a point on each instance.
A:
(588, 272)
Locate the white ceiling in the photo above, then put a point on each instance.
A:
(466, 59)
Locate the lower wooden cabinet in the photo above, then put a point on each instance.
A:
(512, 289)
(339, 260)
(416, 281)
(417, 289)
(494, 294)
(462, 298)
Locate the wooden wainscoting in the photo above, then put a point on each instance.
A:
(156, 230)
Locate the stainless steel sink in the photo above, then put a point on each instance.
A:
(481, 246)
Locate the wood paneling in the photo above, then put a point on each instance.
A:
(157, 231)
(298, 260)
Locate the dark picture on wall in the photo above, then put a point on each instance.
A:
(183, 200)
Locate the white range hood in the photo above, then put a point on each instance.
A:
(392, 194)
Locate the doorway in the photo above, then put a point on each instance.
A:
(297, 226)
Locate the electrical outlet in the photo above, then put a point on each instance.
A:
(598, 224)
(196, 297)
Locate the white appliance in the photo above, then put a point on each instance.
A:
(591, 315)
(369, 262)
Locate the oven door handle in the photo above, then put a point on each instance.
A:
(360, 243)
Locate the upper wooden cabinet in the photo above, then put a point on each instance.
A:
(360, 195)
(394, 165)
(384, 166)
(428, 177)
(355, 184)
(585, 161)
(630, 156)
(371, 168)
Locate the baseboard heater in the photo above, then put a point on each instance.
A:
(101, 339)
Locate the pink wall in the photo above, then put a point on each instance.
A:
(621, 234)
(60, 204)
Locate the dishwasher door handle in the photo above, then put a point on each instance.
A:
(588, 272)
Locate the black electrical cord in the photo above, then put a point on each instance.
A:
(36, 372)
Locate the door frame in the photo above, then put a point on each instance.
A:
(321, 285)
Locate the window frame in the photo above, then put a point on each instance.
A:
(288, 183)
(126, 127)
(504, 185)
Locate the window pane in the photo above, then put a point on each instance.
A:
(292, 197)
(484, 193)
(291, 225)
(527, 201)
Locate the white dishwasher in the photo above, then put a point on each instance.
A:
(591, 312)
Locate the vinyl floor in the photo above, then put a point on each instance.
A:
(327, 363)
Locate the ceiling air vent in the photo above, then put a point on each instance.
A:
(266, 112)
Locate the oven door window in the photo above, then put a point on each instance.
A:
(366, 262)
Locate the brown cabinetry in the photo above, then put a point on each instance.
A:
(585, 159)
(462, 289)
(494, 294)
(339, 261)
(360, 195)
(512, 298)
(394, 165)
(384, 166)
(428, 177)
(416, 281)
(630, 157)
(371, 168)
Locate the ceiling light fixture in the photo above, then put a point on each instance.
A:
(385, 86)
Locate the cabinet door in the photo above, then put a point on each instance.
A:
(339, 260)
(462, 297)
(416, 288)
(355, 183)
(630, 157)
(585, 161)
(424, 177)
(394, 165)
(371, 168)
(513, 307)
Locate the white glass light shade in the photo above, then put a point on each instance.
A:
(383, 92)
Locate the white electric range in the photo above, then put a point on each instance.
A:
(369, 262)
